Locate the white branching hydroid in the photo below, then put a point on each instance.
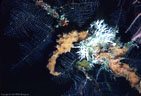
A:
(101, 36)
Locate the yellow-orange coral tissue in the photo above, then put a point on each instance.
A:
(99, 47)
(65, 43)
(102, 47)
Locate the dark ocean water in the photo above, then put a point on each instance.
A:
(28, 38)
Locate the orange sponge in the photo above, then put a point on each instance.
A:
(65, 43)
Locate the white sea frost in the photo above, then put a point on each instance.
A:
(101, 35)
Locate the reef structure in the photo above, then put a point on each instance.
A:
(103, 48)
(99, 46)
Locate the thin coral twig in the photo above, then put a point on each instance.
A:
(136, 1)
(137, 34)
(133, 22)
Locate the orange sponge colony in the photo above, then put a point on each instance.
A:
(65, 43)
(120, 69)
(112, 56)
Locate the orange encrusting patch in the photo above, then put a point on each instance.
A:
(65, 43)
(120, 69)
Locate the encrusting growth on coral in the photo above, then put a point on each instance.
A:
(65, 43)
(62, 20)
(120, 69)
(84, 64)
(103, 48)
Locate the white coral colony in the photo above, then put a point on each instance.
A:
(98, 45)
(102, 36)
